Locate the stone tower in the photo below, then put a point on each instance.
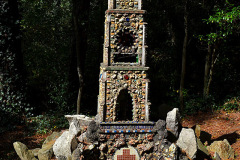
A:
(123, 82)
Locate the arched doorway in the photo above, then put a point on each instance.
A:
(124, 106)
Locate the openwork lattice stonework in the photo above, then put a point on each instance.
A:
(123, 72)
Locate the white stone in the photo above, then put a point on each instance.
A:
(187, 142)
(82, 116)
(172, 121)
(64, 144)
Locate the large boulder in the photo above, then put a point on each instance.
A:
(46, 152)
(64, 145)
(76, 155)
(35, 151)
(172, 121)
(198, 131)
(223, 148)
(92, 131)
(202, 152)
(160, 128)
(187, 142)
(77, 123)
(53, 136)
(23, 152)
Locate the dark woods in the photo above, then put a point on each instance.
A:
(51, 52)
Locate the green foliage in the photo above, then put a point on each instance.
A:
(46, 27)
(195, 103)
(226, 21)
(12, 88)
(43, 124)
(231, 104)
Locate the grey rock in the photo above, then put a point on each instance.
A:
(198, 131)
(103, 147)
(216, 156)
(102, 155)
(65, 144)
(160, 127)
(187, 142)
(46, 152)
(61, 158)
(83, 137)
(201, 147)
(173, 151)
(223, 148)
(202, 152)
(92, 131)
(119, 143)
(77, 122)
(35, 151)
(52, 137)
(74, 127)
(183, 157)
(149, 146)
(23, 152)
(97, 118)
(76, 154)
(172, 121)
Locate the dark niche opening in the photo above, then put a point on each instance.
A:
(124, 106)
(127, 58)
(125, 38)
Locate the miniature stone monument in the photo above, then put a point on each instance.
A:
(122, 129)
(123, 71)
(123, 105)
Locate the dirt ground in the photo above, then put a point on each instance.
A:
(221, 125)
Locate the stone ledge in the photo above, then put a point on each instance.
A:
(82, 119)
(126, 68)
(126, 11)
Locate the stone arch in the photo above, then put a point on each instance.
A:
(126, 111)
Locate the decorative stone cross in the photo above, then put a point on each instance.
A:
(126, 155)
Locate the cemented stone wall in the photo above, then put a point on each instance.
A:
(112, 82)
(124, 59)
(125, 4)
(130, 27)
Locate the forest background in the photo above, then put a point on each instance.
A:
(51, 50)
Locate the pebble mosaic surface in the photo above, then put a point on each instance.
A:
(135, 82)
(126, 37)
(142, 146)
(127, 4)
(124, 46)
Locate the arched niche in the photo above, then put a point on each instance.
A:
(124, 106)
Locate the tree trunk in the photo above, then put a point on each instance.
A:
(206, 72)
(184, 55)
(213, 62)
(80, 22)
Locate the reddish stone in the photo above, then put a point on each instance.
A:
(116, 136)
(126, 77)
(132, 141)
(150, 137)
